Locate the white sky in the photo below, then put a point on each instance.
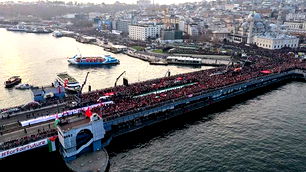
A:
(112, 1)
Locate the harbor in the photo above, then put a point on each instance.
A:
(55, 61)
(169, 97)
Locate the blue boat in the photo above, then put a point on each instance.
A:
(93, 60)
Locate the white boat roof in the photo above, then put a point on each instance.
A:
(65, 75)
(184, 58)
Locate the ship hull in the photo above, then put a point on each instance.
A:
(92, 63)
(10, 85)
(95, 62)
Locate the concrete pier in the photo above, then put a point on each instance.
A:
(93, 161)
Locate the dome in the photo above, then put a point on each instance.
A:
(257, 16)
(260, 25)
(245, 25)
(273, 27)
(253, 16)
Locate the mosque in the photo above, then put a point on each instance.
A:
(255, 30)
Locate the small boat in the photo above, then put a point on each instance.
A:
(23, 86)
(14, 80)
(57, 34)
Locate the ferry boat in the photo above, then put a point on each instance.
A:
(17, 28)
(57, 34)
(38, 30)
(93, 60)
(69, 83)
(183, 60)
(14, 80)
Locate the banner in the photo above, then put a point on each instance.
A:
(59, 115)
(23, 148)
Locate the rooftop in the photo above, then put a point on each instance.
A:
(74, 124)
(47, 89)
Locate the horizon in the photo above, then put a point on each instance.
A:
(161, 2)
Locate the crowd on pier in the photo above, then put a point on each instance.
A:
(28, 139)
(129, 98)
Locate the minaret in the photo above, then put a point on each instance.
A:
(250, 34)
(280, 12)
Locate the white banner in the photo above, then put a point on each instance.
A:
(59, 115)
(23, 148)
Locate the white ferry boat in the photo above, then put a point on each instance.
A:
(69, 83)
(17, 28)
(183, 60)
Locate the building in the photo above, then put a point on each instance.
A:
(192, 30)
(42, 94)
(167, 34)
(122, 25)
(145, 32)
(220, 35)
(181, 26)
(276, 42)
(253, 25)
(144, 3)
(171, 21)
(80, 136)
(296, 27)
(81, 16)
(296, 17)
(264, 34)
(171, 35)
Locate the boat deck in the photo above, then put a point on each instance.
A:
(64, 76)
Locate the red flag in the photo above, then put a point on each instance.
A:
(266, 71)
(179, 78)
(88, 113)
(237, 69)
(109, 94)
(53, 138)
(65, 83)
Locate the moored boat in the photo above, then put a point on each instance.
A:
(69, 83)
(14, 80)
(24, 86)
(57, 34)
(183, 60)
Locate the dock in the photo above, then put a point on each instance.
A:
(94, 161)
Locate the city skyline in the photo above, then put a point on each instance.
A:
(113, 1)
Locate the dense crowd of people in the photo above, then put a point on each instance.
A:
(128, 98)
(27, 139)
